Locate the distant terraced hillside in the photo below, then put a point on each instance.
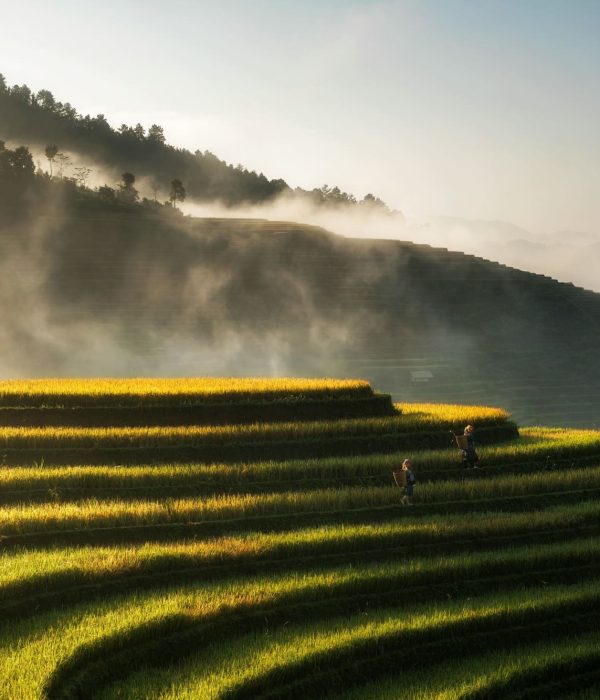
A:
(270, 575)
(101, 290)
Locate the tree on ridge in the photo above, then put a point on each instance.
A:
(178, 192)
(51, 150)
(127, 191)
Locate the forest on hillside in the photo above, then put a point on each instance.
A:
(38, 118)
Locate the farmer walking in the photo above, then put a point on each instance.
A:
(469, 456)
(405, 479)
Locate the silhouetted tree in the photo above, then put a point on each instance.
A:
(67, 111)
(107, 193)
(41, 118)
(178, 192)
(280, 185)
(45, 99)
(374, 203)
(81, 175)
(21, 92)
(21, 161)
(101, 124)
(51, 151)
(127, 191)
(332, 196)
(63, 163)
(156, 134)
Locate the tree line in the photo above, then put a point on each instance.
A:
(39, 117)
(22, 185)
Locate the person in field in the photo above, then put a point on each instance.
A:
(469, 456)
(405, 479)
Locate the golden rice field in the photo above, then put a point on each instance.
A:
(453, 413)
(174, 435)
(292, 570)
(83, 391)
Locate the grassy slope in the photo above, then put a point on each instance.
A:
(236, 669)
(139, 392)
(299, 579)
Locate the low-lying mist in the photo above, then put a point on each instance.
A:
(568, 256)
(99, 288)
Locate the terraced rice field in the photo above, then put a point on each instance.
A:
(273, 559)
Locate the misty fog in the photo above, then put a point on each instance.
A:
(567, 256)
(93, 284)
(98, 290)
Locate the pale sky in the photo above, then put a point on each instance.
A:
(486, 109)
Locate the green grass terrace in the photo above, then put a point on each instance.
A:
(222, 557)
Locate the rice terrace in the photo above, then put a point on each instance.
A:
(151, 551)
(300, 350)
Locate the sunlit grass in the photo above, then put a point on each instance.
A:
(473, 494)
(537, 445)
(478, 672)
(325, 540)
(416, 421)
(88, 562)
(139, 391)
(32, 648)
(246, 659)
(454, 413)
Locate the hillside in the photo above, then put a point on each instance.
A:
(240, 568)
(570, 256)
(38, 119)
(97, 288)
(41, 120)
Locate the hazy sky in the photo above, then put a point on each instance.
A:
(473, 108)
